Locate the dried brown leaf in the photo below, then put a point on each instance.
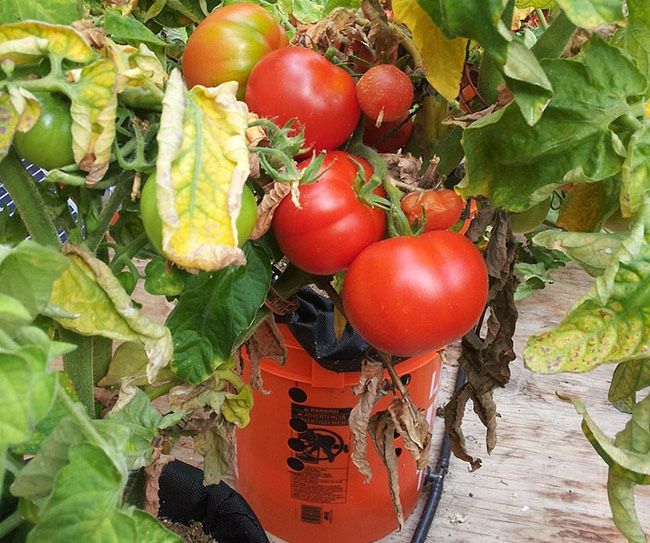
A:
(404, 168)
(382, 430)
(370, 390)
(340, 29)
(273, 195)
(152, 481)
(411, 423)
(265, 342)
(381, 35)
(486, 361)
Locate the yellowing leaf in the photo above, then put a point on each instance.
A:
(90, 291)
(443, 59)
(201, 169)
(590, 14)
(93, 108)
(8, 121)
(28, 41)
(140, 75)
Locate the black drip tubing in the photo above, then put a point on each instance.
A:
(436, 479)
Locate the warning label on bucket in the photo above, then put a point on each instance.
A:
(316, 485)
(318, 447)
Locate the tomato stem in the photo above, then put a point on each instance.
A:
(10, 523)
(118, 195)
(28, 200)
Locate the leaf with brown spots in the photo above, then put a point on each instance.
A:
(611, 323)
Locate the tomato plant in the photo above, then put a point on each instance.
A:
(435, 209)
(332, 225)
(153, 223)
(385, 93)
(432, 290)
(48, 144)
(228, 43)
(295, 82)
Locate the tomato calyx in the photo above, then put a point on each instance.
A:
(277, 160)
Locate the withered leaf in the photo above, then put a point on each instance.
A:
(216, 445)
(485, 361)
(381, 35)
(370, 390)
(411, 424)
(265, 342)
(273, 195)
(382, 430)
(152, 481)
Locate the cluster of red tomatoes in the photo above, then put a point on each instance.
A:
(404, 295)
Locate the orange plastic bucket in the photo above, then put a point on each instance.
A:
(293, 461)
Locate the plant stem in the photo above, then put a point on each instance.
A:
(79, 366)
(542, 18)
(120, 192)
(83, 423)
(28, 200)
(127, 253)
(326, 284)
(9, 524)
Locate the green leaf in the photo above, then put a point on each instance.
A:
(593, 252)
(532, 277)
(304, 11)
(150, 530)
(593, 13)
(27, 273)
(611, 323)
(620, 491)
(13, 314)
(629, 377)
(128, 29)
(636, 35)
(481, 22)
(573, 140)
(193, 359)
(28, 389)
(89, 290)
(620, 487)
(628, 455)
(162, 279)
(130, 361)
(85, 500)
(541, 4)
(53, 11)
(218, 306)
(636, 171)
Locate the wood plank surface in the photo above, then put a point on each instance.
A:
(543, 482)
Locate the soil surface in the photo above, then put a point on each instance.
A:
(191, 534)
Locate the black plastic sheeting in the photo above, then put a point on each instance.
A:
(224, 513)
(312, 324)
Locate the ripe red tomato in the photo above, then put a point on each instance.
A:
(332, 226)
(385, 90)
(379, 138)
(294, 82)
(443, 208)
(228, 43)
(414, 294)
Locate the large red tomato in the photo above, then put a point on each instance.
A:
(414, 294)
(294, 82)
(332, 225)
(228, 43)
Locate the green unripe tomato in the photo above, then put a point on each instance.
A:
(153, 223)
(48, 144)
(528, 220)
